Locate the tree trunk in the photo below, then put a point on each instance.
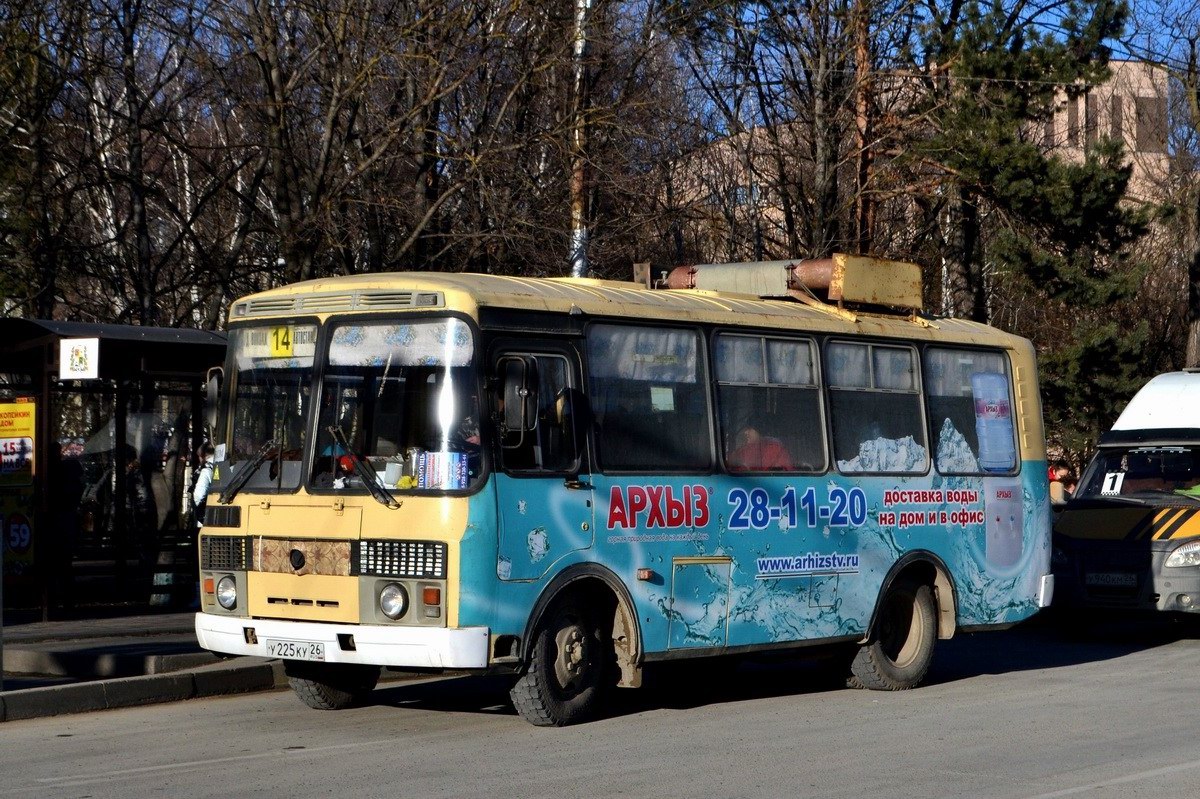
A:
(295, 230)
(1191, 93)
(145, 289)
(823, 224)
(963, 283)
(578, 254)
(864, 210)
(1192, 356)
(44, 244)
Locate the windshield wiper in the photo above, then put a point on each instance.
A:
(246, 472)
(365, 472)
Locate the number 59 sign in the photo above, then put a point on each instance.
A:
(18, 533)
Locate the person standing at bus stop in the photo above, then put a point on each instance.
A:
(141, 511)
(202, 484)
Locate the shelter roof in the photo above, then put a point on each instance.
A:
(126, 351)
(15, 331)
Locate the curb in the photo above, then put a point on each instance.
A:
(103, 665)
(245, 675)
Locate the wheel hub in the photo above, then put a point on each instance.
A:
(572, 665)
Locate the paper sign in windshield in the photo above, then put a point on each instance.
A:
(1112, 484)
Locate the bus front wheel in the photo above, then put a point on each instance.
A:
(567, 672)
(330, 686)
(901, 648)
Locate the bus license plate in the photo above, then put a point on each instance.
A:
(296, 650)
(1112, 579)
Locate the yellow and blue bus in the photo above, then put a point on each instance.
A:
(566, 479)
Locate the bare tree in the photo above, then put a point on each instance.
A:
(41, 44)
(1168, 34)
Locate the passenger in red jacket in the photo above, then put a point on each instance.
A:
(758, 453)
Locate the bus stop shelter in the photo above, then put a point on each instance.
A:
(97, 422)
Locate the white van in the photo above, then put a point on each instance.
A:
(1130, 537)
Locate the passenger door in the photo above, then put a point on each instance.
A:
(544, 494)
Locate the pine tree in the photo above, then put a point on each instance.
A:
(1034, 242)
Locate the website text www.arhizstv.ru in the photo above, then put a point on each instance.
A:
(809, 563)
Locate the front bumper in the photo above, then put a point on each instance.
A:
(1122, 576)
(367, 644)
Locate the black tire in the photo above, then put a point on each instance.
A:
(330, 686)
(569, 668)
(901, 647)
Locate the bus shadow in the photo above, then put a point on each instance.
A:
(1041, 644)
(449, 693)
(665, 686)
(1056, 640)
(690, 684)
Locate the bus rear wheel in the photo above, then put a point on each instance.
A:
(567, 673)
(898, 656)
(330, 686)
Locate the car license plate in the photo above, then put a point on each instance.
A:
(1112, 579)
(296, 650)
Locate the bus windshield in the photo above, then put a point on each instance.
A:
(405, 398)
(1143, 473)
(272, 379)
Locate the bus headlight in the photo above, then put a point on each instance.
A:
(393, 600)
(227, 593)
(1185, 555)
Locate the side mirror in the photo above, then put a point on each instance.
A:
(520, 394)
(213, 397)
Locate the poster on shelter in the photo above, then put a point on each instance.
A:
(18, 426)
(17, 432)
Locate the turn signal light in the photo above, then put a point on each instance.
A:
(432, 596)
(208, 585)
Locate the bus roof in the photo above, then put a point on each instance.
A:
(467, 292)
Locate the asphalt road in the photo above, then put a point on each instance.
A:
(1020, 714)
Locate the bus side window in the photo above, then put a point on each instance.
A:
(770, 404)
(545, 443)
(957, 415)
(647, 387)
(875, 408)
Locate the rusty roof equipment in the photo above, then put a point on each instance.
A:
(840, 279)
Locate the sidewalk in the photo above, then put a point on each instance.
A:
(58, 667)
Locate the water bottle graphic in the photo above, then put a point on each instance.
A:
(993, 422)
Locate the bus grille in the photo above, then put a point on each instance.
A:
(420, 559)
(364, 300)
(222, 553)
